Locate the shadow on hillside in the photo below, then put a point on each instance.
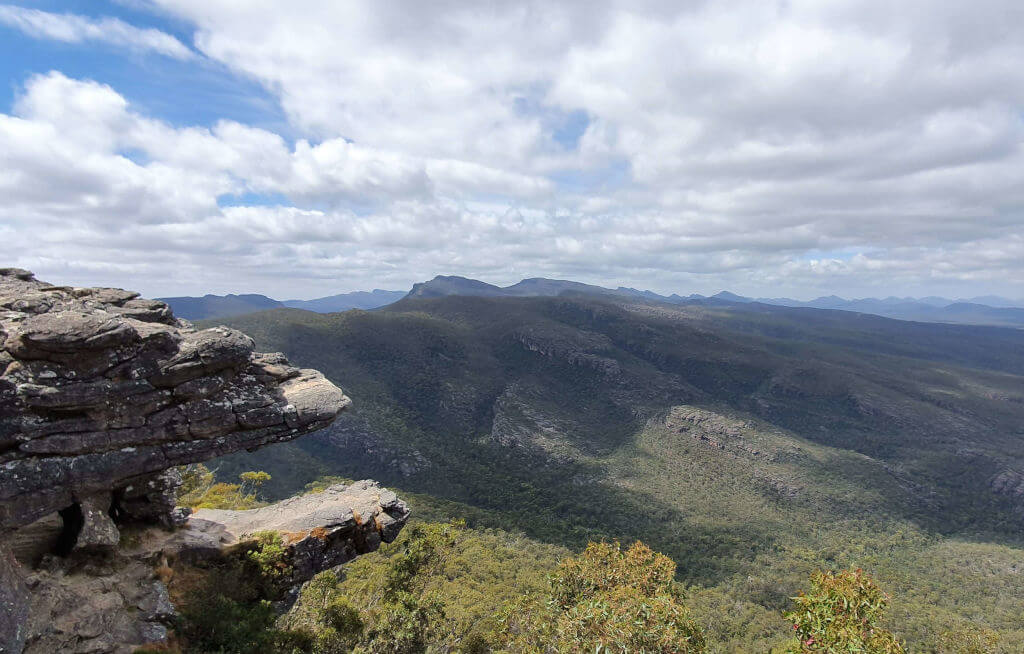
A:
(563, 504)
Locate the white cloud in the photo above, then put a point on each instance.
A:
(772, 148)
(71, 28)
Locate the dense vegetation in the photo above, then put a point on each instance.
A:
(751, 445)
(443, 587)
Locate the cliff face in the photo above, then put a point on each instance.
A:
(102, 393)
(100, 390)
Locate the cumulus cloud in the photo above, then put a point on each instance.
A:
(769, 147)
(72, 28)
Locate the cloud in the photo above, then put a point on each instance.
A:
(72, 28)
(771, 148)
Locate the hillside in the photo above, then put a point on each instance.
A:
(345, 301)
(210, 307)
(751, 443)
(218, 306)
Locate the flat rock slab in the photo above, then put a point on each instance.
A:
(319, 530)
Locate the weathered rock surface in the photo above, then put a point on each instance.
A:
(104, 605)
(102, 393)
(100, 390)
(735, 436)
(319, 530)
(14, 599)
(114, 604)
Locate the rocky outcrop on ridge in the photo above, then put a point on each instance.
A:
(319, 530)
(101, 390)
(114, 604)
(102, 394)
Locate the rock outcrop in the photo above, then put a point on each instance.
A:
(111, 604)
(114, 604)
(102, 394)
(100, 391)
(319, 530)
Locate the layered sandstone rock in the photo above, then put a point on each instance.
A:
(114, 604)
(102, 393)
(101, 390)
(319, 530)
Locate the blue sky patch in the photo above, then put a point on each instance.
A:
(184, 93)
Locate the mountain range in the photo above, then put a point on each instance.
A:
(222, 306)
(983, 310)
(997, 311)
(752, 443)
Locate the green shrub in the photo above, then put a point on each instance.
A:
(841, 614)
(201, 490)
(605, 600)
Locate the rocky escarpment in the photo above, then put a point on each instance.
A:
(111, 604)
(102, 393)
(100, 390)
(319, 530)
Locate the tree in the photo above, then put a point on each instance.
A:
(252, 480)
(605, 600)
(968, 639)
(840, 615)
(399, 615)
(200, 490)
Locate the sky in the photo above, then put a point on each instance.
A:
(768, 147)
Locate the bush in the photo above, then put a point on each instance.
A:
(200, 489)
(605, 600)
(267, 553)
(841, 614)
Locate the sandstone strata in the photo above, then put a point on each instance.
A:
(102, 393)
(319, 530)
(114, 604)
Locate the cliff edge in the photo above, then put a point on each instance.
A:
(102, 394)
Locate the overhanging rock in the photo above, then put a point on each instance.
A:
(101, 390)
(102, 394)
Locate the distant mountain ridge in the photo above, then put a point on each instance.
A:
(345, 301)
(982, 310)
(445, 285)
(209, 307)
(1000, 311)
(219, 306)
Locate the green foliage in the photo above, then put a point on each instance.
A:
(267, 553)
(252, 480)
(605, 600)
(215, 623)
(196, 480)
(968, 639)
(404, 623)
(200, 490)
(439, 585)
(830, 443)
(841, 614)
(605, 567)
(228, 608)
(322, 483)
